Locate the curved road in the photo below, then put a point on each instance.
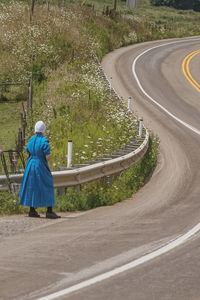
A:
(76, 250)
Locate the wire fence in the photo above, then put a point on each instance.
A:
(18, 92)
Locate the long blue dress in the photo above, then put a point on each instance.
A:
(37, 188)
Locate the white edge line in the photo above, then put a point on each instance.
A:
(125, 267)
(150, 98)
(155, 253)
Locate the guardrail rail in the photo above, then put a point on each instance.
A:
(78, 176)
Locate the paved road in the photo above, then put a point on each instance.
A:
(49, 257)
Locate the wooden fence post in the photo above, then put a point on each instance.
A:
(115, 4)
(30, 94)
(19, 140)
(32, 10)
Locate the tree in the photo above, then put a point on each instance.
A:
(196, 5)
(178, 4)
(183, 4)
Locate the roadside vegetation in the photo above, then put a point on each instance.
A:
(103, 192)
(61, 48)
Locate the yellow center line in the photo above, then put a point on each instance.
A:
(186, 69)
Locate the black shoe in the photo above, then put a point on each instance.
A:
(52, 215)
(33, 214)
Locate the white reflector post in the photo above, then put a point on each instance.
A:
(140, 127)
(129, 103)
(131, 3)
(69, 154)
(110, 83)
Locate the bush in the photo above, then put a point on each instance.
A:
(179, 4)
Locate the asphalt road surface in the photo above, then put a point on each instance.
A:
(147, 247)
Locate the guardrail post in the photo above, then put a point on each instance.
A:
(61, 190)
(140, 127)
(129, 103)
(109, 180)
(69, 154)
(77, 188)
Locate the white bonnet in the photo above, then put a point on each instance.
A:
(40, 127)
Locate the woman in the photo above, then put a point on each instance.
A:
(37, 186)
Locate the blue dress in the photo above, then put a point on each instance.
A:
(37, 188)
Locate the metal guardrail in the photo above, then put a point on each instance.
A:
(73, 177)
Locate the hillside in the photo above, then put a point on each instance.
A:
(61, 48)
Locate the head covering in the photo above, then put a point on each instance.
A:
(40, 127)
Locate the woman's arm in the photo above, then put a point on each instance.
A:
(48, 157)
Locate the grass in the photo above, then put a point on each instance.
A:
(9, 123)
(165, 22)
(62, 48)
(65, 41)
(11, 100)
(82, 106)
